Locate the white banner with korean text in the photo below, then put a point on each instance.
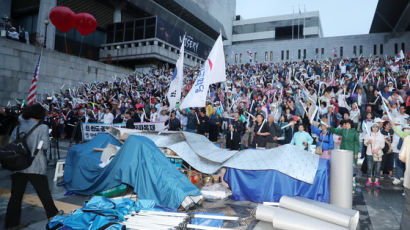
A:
(90, 130)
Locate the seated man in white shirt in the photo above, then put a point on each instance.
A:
(108, 116)
(12, 33)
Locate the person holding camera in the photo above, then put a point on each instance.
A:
(36, 172)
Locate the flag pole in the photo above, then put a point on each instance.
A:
(293, 18)
(304, 21)
(298, 20)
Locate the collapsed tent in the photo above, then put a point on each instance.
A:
(139, 163)
(207, 158)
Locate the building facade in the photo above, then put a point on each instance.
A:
(297, 37)
(374, 44)
(131, 33)
(276, 28)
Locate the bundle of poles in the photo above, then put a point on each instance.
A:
(145, 220)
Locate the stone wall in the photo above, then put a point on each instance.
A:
(18, 61)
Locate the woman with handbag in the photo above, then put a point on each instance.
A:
(36, 172)
(375, 144)
(325, 144)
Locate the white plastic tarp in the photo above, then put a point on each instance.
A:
(205, 157)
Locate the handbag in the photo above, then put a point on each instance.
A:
(319, 149)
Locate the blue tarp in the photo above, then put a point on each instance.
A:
(270, 185)
(139, 163)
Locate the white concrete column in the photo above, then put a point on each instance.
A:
(118, 6)
(43, 12)
(117, 14)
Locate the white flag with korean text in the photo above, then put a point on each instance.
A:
(212, 72)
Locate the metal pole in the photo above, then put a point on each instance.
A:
(293, 17)
(304, 21)
(298, 20)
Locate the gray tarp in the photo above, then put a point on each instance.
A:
(205, 157)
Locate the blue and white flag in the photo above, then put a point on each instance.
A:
(175, 88)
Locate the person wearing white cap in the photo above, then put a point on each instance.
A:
(375, 143)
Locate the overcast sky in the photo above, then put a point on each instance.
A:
(338, 17)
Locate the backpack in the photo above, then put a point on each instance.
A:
(16, 156)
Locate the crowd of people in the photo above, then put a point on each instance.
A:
(357, 104)
(350, 103)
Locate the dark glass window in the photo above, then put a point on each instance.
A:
(119, 32)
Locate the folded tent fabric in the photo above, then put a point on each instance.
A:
(139, 163)
(244, 184)
(99, 213)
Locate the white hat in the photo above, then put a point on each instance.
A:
(377, 120)
(375, 124)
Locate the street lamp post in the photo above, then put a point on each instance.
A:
(46, 22)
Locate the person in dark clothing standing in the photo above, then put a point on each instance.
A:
(388, 156)
(214, 124)
(117, 117)
(275, 132)
(130, 121)
(78, 120)
(174, 124)
(203, 123)
(261, 131)
(192, 121)
(36, 174)
(234, 133)
(69, 123)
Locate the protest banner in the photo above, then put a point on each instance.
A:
(90, 130)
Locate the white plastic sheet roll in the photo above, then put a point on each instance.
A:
(262, 225)
(330, 213)
(341, 178)
(289, 220)
(264, 213)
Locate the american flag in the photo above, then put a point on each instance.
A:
(33, 88)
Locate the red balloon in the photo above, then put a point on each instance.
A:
(85, 23)
(63, 18)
